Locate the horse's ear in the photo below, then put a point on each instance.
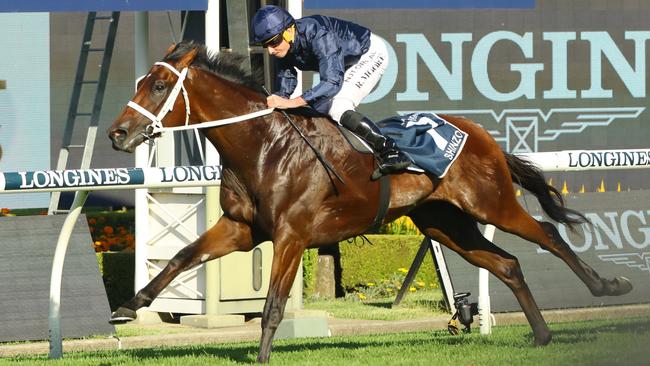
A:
(170, 49)
(187, 59)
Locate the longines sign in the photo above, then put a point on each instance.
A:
(602, 159)
(110, 178)
(541, 75)
(466, 50)
(617, 243)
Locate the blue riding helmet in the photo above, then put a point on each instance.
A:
(268, 22)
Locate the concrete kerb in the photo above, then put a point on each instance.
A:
(182, 335)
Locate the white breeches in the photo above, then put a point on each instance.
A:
(360, 78)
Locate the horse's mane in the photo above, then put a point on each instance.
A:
(225, 64)
(229, 66)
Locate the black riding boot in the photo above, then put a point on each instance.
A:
(391, 160)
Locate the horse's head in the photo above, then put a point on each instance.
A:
(156, 103)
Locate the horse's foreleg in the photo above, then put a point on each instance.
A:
(459, 232)
(224, 237)
(546, 235)
(286, 259)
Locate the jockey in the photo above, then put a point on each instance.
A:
(350, 60)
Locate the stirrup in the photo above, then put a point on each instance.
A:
(395, 167)
(400, 162)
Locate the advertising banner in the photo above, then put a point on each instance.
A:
(109, 178)
(541, 75)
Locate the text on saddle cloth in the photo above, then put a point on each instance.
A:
(431, 142)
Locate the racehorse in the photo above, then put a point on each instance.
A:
(273, 188)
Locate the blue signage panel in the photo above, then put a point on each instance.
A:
(13, 6)
(419, 4)
(16, 181)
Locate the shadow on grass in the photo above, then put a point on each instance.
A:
(563, 333)
(434, 305)
(238, 353)
(247, 353)
(382, 304)
(587, 332)
(515, 337)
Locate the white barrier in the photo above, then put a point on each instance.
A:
(580, 160)
(83, 181)
(109, 179)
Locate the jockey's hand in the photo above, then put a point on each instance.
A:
(276, 101)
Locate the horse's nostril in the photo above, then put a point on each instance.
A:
(118, 135)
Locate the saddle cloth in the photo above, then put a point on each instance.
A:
(432, 142)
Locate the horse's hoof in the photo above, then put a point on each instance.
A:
(122, 315)
(543, 340)
(623, 286)
(262, 359)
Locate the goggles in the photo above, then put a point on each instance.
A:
(273, 41)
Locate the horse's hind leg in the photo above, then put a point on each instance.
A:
(459, 232)
(520, 223)
(224, 237)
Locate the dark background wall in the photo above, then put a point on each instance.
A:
(418, 38)
(542, 123)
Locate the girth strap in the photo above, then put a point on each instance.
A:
(384, 201)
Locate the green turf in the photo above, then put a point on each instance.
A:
(416, 305)
(606, 342)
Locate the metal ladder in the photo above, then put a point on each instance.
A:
(79, 83)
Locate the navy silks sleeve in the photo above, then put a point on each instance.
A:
(331, 69)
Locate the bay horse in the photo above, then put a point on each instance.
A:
(273, 188)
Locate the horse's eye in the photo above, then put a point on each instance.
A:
(159, 86)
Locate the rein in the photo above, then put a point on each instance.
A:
(216, 123)
(156, 126)
(328, 167)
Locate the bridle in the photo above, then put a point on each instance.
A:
(156, 126)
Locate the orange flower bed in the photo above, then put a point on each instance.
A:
(112, 232)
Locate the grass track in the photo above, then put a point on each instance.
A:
(610, 342)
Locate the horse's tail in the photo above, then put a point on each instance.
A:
(530, 177)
